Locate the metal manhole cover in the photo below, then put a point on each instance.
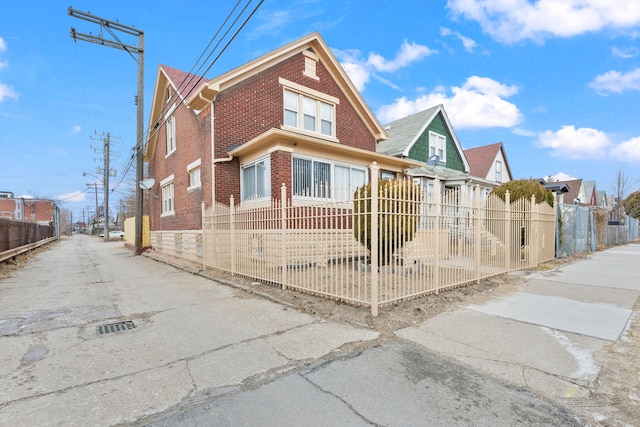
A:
(115, 327)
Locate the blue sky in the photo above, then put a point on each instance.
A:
(557, 81)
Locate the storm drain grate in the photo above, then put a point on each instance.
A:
(116, 327)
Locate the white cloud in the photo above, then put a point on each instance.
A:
(477, 104)
(524, 132)
(354, 66)
(509, 21)
(617, 82)
(575, 143)
(625, 53)
(409, 52)
(361, 70)
(76, 129)
(468, 43)
(560, 176)
(628, 150)
(7, 92)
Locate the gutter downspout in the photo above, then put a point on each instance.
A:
(213, 150)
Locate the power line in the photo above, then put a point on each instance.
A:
(191, 76)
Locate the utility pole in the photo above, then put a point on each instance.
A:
(109, 26)
(106, 173)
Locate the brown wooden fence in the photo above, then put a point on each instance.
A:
(18, 235)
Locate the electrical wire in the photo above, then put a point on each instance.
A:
(191, 76)
(191, 81)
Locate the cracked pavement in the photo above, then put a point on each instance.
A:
(204, 353)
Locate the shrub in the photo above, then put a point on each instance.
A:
(398, 206)
(524, 188)
(632, 204)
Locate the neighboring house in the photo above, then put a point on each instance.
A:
(291, 117)
(429, 138)
(29, 210)
(489, 166)
(575, 195)
(590, 192)
(559, 189)
(601, 195)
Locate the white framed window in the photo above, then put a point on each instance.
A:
(193, 170)
(384, 174)
(498, 171)
(347, 179)
(302, 111)
(171, 134)
(167, 196)
(438, 146)
(255, 179)
(325, 179)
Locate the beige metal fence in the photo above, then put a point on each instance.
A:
(449, 241)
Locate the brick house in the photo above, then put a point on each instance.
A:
(291, 117)
(40, 211)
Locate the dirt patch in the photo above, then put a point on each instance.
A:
(10, 266)
(615, 397)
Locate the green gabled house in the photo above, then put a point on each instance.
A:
(429, 138)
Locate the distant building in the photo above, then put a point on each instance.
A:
(29, 210)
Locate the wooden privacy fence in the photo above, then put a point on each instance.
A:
(455, 239)
(17, 237)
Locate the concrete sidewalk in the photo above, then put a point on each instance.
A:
(543, 336)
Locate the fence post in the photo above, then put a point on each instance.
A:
(507, 229)
(232, 232)
(476, 231)
(283, 233)
(204, 244)
(375, 174)
(534, 251)
(436, 230)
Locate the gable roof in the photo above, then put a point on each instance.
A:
(404, 133)
(589, 189)
(314, 42)
(481, 159)
(574, 190)
(183, 85)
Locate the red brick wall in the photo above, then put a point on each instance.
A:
(280, 173)
(242, 112)
(41, 211)
(192, 143)
(255, 105)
